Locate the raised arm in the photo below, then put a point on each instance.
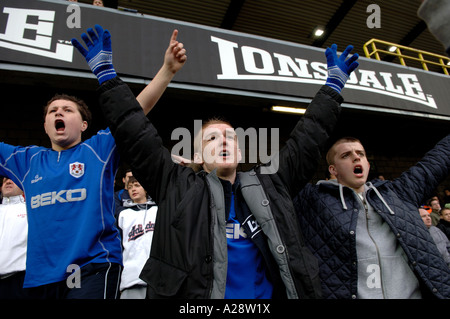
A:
(99, 58)
(299, 158)
(136, 138)
(418, 183)
(174, 60)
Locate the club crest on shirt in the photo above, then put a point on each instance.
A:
(76, 169)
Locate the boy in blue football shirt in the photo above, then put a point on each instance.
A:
(74, 249)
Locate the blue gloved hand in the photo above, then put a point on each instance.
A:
(339, 68)
(98, 54)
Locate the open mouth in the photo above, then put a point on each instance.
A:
(224, 153)
(358, 170)
(59, 125)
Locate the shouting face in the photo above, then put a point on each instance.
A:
(219, 150)
(350, 165)
(64, 124)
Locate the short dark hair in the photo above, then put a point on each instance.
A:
(331, 152)
(131, 180)
(82, 106)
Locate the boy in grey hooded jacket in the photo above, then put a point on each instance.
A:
(369, 238)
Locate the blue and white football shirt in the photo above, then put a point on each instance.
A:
(246, 275)
(70, 205)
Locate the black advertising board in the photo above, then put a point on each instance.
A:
(38, 33)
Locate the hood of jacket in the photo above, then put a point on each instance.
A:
(130, 203)
(367, 186)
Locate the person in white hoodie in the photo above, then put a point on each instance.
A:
(136, 223)
(13, 241)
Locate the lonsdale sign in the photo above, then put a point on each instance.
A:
(260, 64)
(38, 33)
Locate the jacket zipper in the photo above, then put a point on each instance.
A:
(211, 239)
(366, 209)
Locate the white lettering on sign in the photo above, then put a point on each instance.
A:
(39, 40)
(260, 64)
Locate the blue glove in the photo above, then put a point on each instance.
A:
(339, 69)
(99, 53)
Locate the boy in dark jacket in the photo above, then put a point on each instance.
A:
(220, 233)
(368, 236)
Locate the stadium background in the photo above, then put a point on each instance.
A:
(393, 142)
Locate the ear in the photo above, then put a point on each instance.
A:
(239, 155)
(84, 126)
(198, 158)
(332, 170)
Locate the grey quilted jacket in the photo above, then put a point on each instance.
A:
(328, 217)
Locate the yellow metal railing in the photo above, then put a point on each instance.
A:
(423, 57)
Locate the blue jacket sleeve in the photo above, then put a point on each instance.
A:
(14, 161)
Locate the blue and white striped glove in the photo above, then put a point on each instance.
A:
(98, 54)
(339, 68)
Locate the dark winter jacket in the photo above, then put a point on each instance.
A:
(328, 214)
(189, 252)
